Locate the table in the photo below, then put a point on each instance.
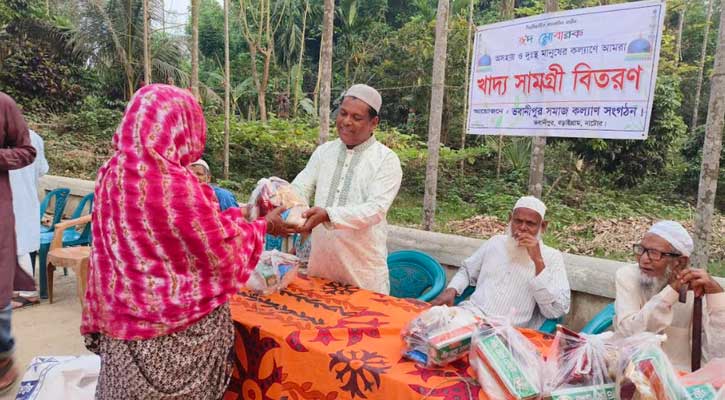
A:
(324, 340)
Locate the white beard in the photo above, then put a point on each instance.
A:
(651, 285)
(517, 254)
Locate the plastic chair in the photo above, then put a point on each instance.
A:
(549, 326)
(75, 258)
(71, 237)
(601, 322)
(412, 272)
(61, 197)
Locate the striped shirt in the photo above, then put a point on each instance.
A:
(509, 286)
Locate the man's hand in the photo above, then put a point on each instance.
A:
(315, 216)
(699, 280)
(447, 297)
(276, 225)
(531, 243)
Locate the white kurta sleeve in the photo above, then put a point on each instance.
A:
(306, 181)
(468, 273)
(40, 160)
(551, 287)
(382, 192)
(713, 340)
(655, 316)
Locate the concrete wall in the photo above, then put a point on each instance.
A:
(591, 279)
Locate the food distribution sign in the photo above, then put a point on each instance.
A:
(581, 73)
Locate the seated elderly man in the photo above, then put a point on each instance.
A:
(647, 295)
(225, 198)
(516, 274)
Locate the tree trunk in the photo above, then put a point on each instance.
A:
(507, 13)
(701, 69)
(146, 50)
(227, 89)
(326, 69)
(195, 48)
(129, 48)
(438, 81)
(680, 28)
(469, 41)
(538, 145)
(298, 76)
(710, 155)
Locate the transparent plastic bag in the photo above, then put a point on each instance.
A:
(644, 372)
(507, 365)
(274, 192)
(439, 335)
(275, 270)
(581, 366)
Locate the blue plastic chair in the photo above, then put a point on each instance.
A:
(414, 274)
(61, 197)
(601, 322)
(549, 326)
(71, 237)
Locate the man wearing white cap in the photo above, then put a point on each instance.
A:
(647, 295)
(516, 275)
(354, 180)
(225, 198)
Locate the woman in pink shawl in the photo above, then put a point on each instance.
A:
(164, 259)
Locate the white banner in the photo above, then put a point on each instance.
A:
(582, 73)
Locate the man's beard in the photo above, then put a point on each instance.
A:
(651, 285)
(518, 254)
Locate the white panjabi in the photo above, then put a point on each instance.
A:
(356, 187)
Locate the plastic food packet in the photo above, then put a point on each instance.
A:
(644, 372)
(507, 365)
(274, 272)
(713, 373)
(581, 366)
(274, 192)
(439, 335)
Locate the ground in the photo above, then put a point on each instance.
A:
(49, 329)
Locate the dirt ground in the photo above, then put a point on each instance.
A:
(48, 329)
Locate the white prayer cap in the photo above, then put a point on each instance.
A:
(202, 163)
(532, 203)
(367, 94)
(675, 234)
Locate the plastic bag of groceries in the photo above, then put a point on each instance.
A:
(704, 383)
(507, 365)
(581, 366)
(275, 270)
(439, 335)
(644, 372)
(274, 192)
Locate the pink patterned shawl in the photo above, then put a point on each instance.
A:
(163, 255)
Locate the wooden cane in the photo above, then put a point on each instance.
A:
(697, 334)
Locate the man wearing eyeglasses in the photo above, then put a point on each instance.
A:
(647, 295)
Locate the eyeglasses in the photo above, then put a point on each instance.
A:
(654, 255)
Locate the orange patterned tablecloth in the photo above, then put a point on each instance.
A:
(323, 340)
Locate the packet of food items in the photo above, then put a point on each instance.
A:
(713, 373)
(507, 365)
(581, 366)
(274, 192)
(439, 335)
(702, 391)
(644, 372)
(275, 270)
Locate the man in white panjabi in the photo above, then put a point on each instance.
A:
(516, 275)
(354, 180)
(26, 206)
(647, 295)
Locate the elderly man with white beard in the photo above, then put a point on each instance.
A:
(647, 295)
(516, 275)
